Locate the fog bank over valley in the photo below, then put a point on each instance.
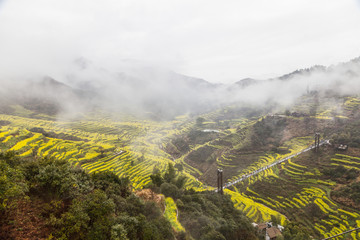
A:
(141, 89)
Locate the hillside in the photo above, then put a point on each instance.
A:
(314, 195)
(49, 198)
(238, 140)
(316, 190)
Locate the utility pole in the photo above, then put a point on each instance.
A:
(317, 142)
(220, 181)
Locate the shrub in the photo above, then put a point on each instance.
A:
(170, 190)
(12, 183)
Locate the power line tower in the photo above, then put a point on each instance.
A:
(220, 181)
(317, 142)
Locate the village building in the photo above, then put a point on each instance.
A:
(272, 233)
(341, 147)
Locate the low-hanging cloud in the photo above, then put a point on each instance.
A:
(342, 79)
(138, 48)
(145, 90)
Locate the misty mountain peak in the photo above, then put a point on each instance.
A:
(304, 71)
(82, 63)
(243, 83)
(50, 82)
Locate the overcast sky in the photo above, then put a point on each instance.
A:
(220, 41)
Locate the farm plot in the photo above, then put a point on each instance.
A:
(129, 148)
(346, 161)
(300, 193)
(171, 214)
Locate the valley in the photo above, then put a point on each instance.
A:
(179, 120)
(240, 141)
(169, 143)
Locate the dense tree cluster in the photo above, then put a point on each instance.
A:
(350, 135)
(340, 174)
(268, 131)
(350, 187)
(352, 191)
(63, 136)
(295, 231)
(78, 205)
(205, 215)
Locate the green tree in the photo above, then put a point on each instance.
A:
(118, 232)
(89, 217)
(295, 232)
(102, 152)
(179, 167)
(170, 173)
(111, 183)
(12, 184)
(180, 182)
(170, 190)
(200, 121)
(213, 235)
(157, 179)
(55, 178)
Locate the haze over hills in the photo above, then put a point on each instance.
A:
(140, 89)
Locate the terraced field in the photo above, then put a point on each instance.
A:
(295, 190)
(300, 192)
(132, 148)
(346, 161)
(171, 214)
(254, 206)
(295, 145)
(256, 211)
(352, 104)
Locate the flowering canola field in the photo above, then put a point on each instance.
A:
(129, 147)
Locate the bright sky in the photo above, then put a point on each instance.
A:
(220, 41)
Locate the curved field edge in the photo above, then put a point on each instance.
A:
(130, 149)
(171, 214)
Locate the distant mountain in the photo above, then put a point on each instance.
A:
(303, 72)
(44, 95)
(243, 83)
(141, 89)
(351, 67)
